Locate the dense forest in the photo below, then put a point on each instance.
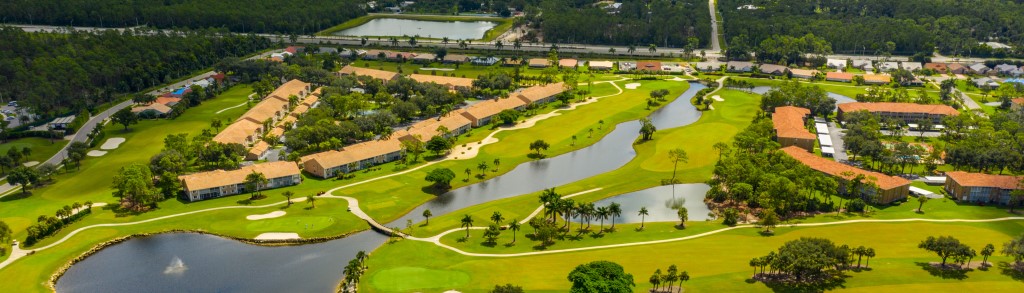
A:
(641, 23)
(57, 74)
(260, 16)
(881, 26)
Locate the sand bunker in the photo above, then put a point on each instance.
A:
(95, 153)
(632, 86)
(270, 215)
(30, 164)
(277, 236)
(112, 143)
(438, 69)
(718, 98)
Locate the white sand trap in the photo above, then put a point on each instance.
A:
(30, 164)
(718, 98)
(112, 143)
(632, 86)
(677, 79)
(269, 215)
(95, 153)
(277, 236)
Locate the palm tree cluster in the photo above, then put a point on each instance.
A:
(353, 271)
(671, 276)
(808, 260)
(555, 206)
(47, 226)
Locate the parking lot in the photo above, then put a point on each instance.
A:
(11, 114)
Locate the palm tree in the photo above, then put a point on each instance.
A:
(517, 44)
(611, 51)
(497, 218)
(616, 211)
(643, 215)
(573, 141)
(514, 226)
(498, 44)
(482, 166)
(631, 49)
(468, 173)
(602, 214)
(288, 194)
(312, 200)
(497, 162)
(427, 214)
(444, 41)
(467, 222)
(653, 48)
(254, 181)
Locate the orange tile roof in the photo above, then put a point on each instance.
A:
(292, 87)
(443, 80)
(568, 62)
(789, 122)
(803, 72)
(218, 178)
(885, 182)
(536, 93)
(839, 75)
(539, 62)
(899, 108)
(266, 109)
(374, 73)
(167, 100)
(940, 67)
(276, 131)
(492, 107)
(310, 100)
(299, 110)
(985, 180)
(648, 65)
(258, 149)
(354, 153)
(427, 129)
(238, 132)
(877, 78)
(1018, 101)
(956, 66)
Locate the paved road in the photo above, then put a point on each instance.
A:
(836, 133)
(715, 45)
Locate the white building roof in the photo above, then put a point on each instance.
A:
(824, 140)
(822, 128)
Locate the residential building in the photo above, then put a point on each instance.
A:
(376, 54)
(939, 68)
(671, 67)
(484, 61)
(980, 187)
(839, 76)
(244, 132)
(249, 128)
(454, 122)
(424, 58)
(352, 158)
(539, 63)
(911, 66)
(600, 65)
(455, 58)
(803, 73)
(836, 63)
(710, 66)
(863, 64)
(568, 63)
(540, 94)
(957, 68)
(773, 69)
(1005, 69)
(789, 127)
(218, 183)
(875, 187)
(906, 112)
(739, 66)
(980, 68)
(258, 151)
(888, 66)
(482, 113)
(451, 82)
(877, 79)
(374, 73)
(985, 83)
(627, 66)
(1016, 104)
(648, 66)
(155, 109)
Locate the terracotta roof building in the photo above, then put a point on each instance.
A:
(889, 188)
(243, 132)
(374, 73)
(789, 127)
(839, 76)
(292, 87)
(907, 112)
(481, 113)
(218, 183)
(803, 73)
(600, 65)
(876, 79)
(540, 94)
(450, 82)
(937, 67)
(539, 63)
(1017, 103)
(568, 63)
(981, 188)
(957, 68)
(455, 122)
(352, 158)
(257, 151)
(649, 66)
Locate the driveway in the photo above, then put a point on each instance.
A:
(836, 133)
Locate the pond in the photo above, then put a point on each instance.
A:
(660, 202)
(213, 264)
(455, 30)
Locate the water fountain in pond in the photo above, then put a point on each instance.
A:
(177, 267)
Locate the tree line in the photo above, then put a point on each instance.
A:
(882, 27)
(57, 74)
(46, 226)
(677, 24)
(258, 16)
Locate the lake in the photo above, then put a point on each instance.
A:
(455, 30)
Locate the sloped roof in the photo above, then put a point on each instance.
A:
(354, 153)
(374, 73)
(568, 62)
(443, 80)
(878, 78)
(539, 62)
(837, 169)
(310, 100)
(536, 93)
(984, 180)
(803, 72)
(160, 108)
(237, 132)
(427, 129)
(491, 107)
(218, 178)
(789, 122)
(648, 65)
(292, 87)
(258, 149)
(773, 69)
(266, 109)
(601, 64)
(839, 75)
(899, 108)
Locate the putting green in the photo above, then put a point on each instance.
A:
(414, 278)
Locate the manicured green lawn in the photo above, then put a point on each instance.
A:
(42, 148)
(716, 263)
